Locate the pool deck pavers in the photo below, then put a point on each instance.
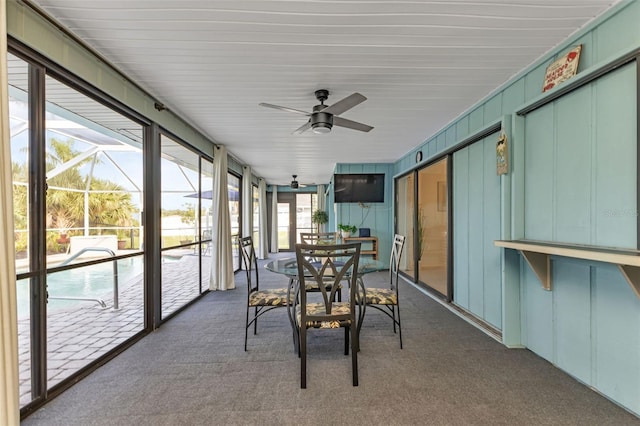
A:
(81, 334)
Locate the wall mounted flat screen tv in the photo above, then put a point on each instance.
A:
(358, 188)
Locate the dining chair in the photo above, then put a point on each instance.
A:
(261, 301)
(387, 300)
(319, 309)
(320, 239)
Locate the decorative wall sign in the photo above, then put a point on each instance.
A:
(502, 155)
(418, 156)
(562, 69)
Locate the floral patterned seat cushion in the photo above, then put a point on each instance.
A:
(338, 308)
(313, 286)
(271, 297)
(381, 296)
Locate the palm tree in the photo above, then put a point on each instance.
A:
(111, 206)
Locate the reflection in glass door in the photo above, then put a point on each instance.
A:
(432, 226)
(405, 213)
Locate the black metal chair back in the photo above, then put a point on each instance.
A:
(387, 300)
(260, 300)
(249, 263)
(327, 268)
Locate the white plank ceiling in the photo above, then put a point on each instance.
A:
(420, 64)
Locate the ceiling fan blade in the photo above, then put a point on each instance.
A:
(306, 126)
(345, 104)
(343, 122)
(295, 111)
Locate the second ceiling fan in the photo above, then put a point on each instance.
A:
(324, 117)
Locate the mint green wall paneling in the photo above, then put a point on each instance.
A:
(441, 142)
(376, 216)
(461, 227)
(450, 136)
(587, 54)
(476, 229)
(462, 128)
(476, 224)
(493, 108)
(537, 313)
(403, 163)
(615, 168)
(476, 119)
(572, 311)
(617, 337)
(491, 226)
(517, 177)
(572, 163)
(619, 32)
(513, 97)
(538, 174)
(533, 81)
(511, 300)
(432, 148)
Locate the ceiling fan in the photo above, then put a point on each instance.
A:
(324, 117)
(295, 184)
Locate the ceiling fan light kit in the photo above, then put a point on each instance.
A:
(321, 122)
(324, 117)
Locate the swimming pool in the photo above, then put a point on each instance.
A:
(95, 281)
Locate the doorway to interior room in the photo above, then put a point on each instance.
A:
(294, 216)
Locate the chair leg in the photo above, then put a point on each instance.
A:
(361, 311)
(393, 316)
(346, 340)
(303, 358)
(246, 329)
(399, 325)
(255, 322)
(355, 344)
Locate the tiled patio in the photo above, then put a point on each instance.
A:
(79, 335)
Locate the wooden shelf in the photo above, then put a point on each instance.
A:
(537, 255)
(372, 240)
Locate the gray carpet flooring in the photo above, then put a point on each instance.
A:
(194, 371)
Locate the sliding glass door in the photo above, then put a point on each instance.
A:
(432, 227)
(422, 215)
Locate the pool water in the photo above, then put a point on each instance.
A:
(95, 281)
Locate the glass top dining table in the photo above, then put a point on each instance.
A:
(289, 266)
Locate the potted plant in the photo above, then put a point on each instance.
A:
(122, 239)
(320, 217)
(346, 230)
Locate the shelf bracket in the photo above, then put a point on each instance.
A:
(540, 263)
(632, 275)
(538, 256)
